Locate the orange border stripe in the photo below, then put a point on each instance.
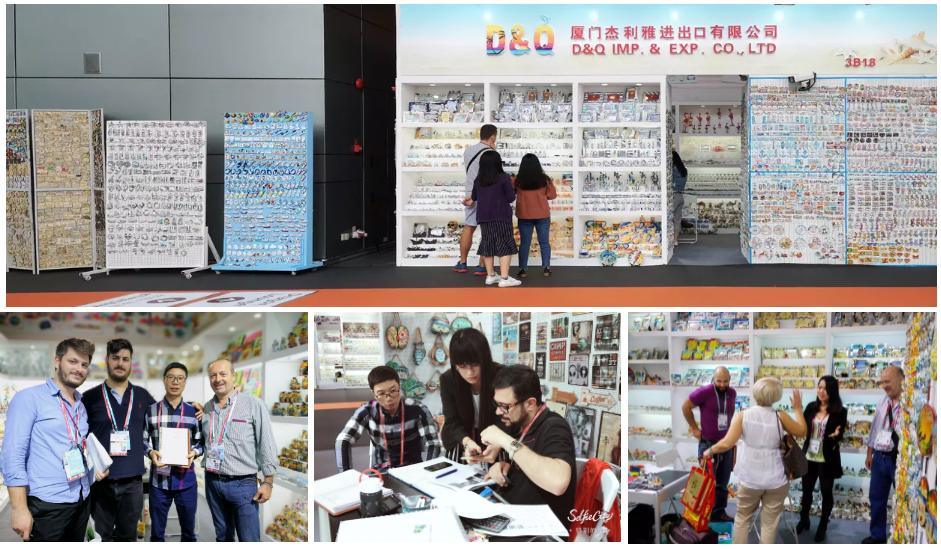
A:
(663, 296)
(337, 406)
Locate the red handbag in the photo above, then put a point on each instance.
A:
(699, 496)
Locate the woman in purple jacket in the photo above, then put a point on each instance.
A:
(493, 192)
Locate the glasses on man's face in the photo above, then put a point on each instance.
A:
(174, 379)
(505, 408)
(392, 393)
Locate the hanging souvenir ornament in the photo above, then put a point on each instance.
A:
(440, 324)
(396, 364)
(434, 382)
(412, 388)
(397, 333)
(460, 322)
(439, 354)
(418, 348)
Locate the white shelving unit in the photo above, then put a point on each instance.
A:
(407, 176)
(831, 338)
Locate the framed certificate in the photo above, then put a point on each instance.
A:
(174, 446)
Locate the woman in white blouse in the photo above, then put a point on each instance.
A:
(760, 466)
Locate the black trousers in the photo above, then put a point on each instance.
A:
(815, 471)
(58, 521)
(116, 508)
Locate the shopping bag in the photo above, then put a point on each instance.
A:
(699, 497)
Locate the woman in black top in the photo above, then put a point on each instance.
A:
(467, 393)
(826, 423)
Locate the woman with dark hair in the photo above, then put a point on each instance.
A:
(493, 193)
(467, 393)
(826, 423)
(534, 190)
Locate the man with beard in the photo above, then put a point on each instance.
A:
(541, 449)
(116, 411)
(239, 444)
(45, 466)
(716, 403)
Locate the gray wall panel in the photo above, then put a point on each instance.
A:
(11, 93)
(122, 99)
(198, 99)
(247, 41)
(344, 51)
(132, 40)
(11, 41)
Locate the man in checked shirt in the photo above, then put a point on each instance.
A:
(169, 484)
(402, 431)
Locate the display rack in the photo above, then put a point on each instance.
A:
(21, 250)
(269, 198)
(155, 196)
(68, 176)
(429, 159)
(860, 171)
(657, 408)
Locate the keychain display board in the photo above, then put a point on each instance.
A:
(21, 251)
(795, 347)
(156, 194)
(603, 141)
(843, 173)
(68, 174)
(269, 197)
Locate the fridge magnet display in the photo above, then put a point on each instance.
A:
(557, 350)
(578, 370)
(525, 336)
(20, 238)
(582, 422)
(268, 200)
(604, 371)
(155, 190)
(609, 438)
(557, 371)
(581, 336)
(560, 327)
(541, 365)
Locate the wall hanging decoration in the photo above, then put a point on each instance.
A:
(21, 240)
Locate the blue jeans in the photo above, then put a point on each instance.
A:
(233, 511)
(526, 238)
(160, 501)
(722, 467)
(880, 485)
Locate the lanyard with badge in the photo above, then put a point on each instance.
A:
(74, 460)
(820, 428)
(165, 470)
(528, 426)
(120, 443)
(722, 419)
(884, 438)
(382, 424)
(216, 452)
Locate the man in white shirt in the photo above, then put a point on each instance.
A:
(488, 140)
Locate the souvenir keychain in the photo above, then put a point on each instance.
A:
(439, 354)
(440, 324)
(418, 348)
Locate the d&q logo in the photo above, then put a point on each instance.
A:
(543, 39)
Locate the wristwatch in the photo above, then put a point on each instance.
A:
(515, 446)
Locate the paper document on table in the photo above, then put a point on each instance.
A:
(437, 483)
(100, 460)
(174, 446)
(436, 525)
(340, 493)
(469, 505)
(532, 520)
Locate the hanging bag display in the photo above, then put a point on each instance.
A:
(699, 497)
(460, 322)
(439, 353)
(440, 324)
(795, 462)
(418, 348)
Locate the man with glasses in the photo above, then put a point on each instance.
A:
(541, 449)
(116, 410)
(169, 484)
(402, 431)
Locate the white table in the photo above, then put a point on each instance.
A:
(673, 483)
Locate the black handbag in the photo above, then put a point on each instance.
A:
(795, 462)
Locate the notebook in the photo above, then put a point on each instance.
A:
(340, 493)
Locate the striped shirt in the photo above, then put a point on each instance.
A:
(248, 443)
(162, 414)
(881, 422)
(420, 435)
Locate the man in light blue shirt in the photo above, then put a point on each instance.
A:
(45, 465)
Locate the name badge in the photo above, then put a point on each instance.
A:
(74, 463)
(723, 423)
(214, 457)
(120, 444)
(884, 439)
(815, 446)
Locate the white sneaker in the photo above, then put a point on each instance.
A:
(491, 280)
(509, 282)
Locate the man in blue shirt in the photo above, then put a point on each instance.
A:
(116, 410)
(45, 464)
(170, 484)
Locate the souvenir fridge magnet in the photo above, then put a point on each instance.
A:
(440, 324)
(460, 322)
(439, 354)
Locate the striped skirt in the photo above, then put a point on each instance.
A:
(496, 239)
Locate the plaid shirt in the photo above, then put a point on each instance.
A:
(420, 435)
(179, 478)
